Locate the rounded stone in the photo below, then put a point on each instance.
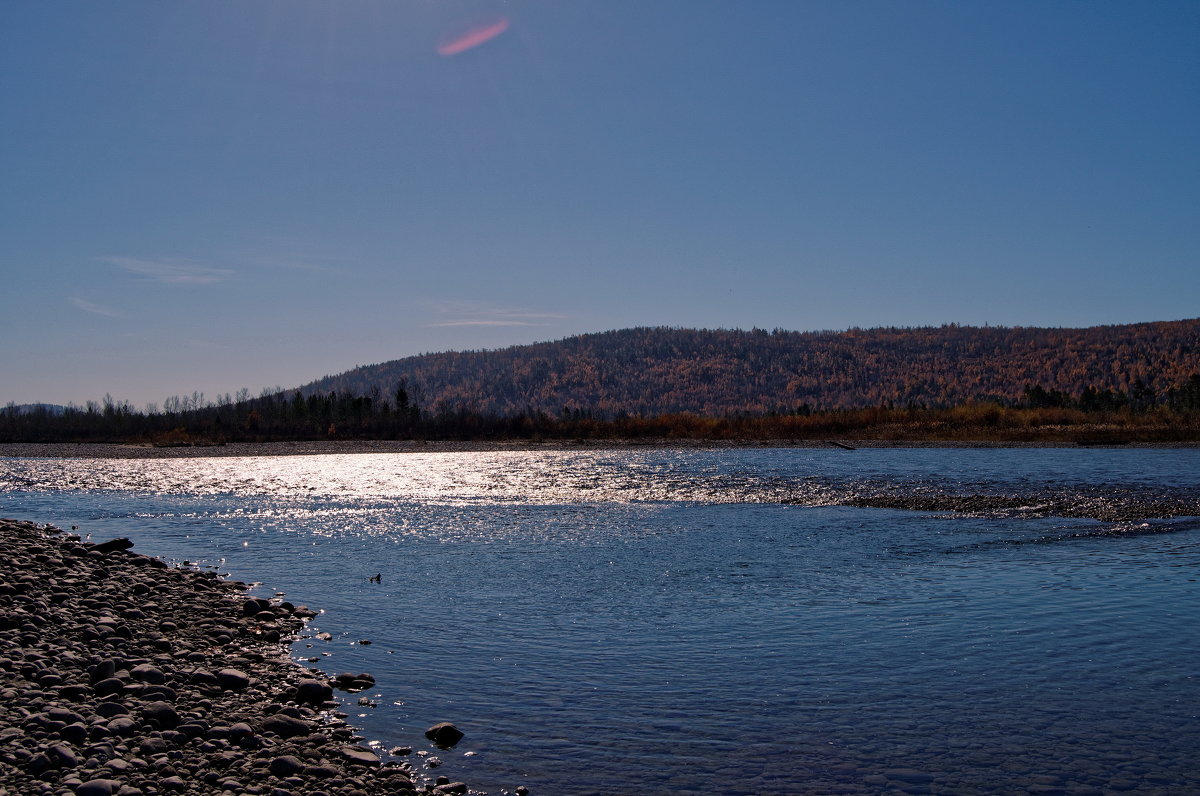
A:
(444, 734)
(64, 755)
(148, 674)
(233, 679)
(286, 766)
(63, 715)
(162, 714)
(313, 692)
(358, 755)
(286, 726)
(122, 725)
(239, 730)
(97, 787)
(109, 685)
(75, 733)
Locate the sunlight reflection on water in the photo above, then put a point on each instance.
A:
(803, 477)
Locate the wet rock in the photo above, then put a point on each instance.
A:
(313, 692)
(359, 755)
(444, 734)
(353, 682)
(254, 605)
(113, 545)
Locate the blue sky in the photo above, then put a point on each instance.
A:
(209, 196)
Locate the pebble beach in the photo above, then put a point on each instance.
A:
(121, 676)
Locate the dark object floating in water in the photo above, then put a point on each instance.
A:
(353, 682)
(841, 445)
(444, 734)
(113, 545)
(376, 578)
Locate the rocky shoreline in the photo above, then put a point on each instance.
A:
(121, 676)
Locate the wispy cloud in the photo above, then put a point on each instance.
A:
(95, 309)
(171, 272)
(472, 314)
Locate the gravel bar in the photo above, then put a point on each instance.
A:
(122, 676)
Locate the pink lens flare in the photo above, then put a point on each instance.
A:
(474, 37)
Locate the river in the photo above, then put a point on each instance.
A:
(736, 621)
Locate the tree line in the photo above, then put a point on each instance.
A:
(1040, 413)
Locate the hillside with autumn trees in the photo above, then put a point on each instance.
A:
(658, 371)
(1103, 385)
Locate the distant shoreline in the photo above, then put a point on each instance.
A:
(88, 450)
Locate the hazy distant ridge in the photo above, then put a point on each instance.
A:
(717, 372)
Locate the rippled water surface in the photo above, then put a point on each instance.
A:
(697, 622)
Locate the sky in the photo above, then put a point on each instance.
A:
(257, 193)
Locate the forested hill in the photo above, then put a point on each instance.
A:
(652, 371)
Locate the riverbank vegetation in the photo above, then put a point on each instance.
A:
(1040, 415)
